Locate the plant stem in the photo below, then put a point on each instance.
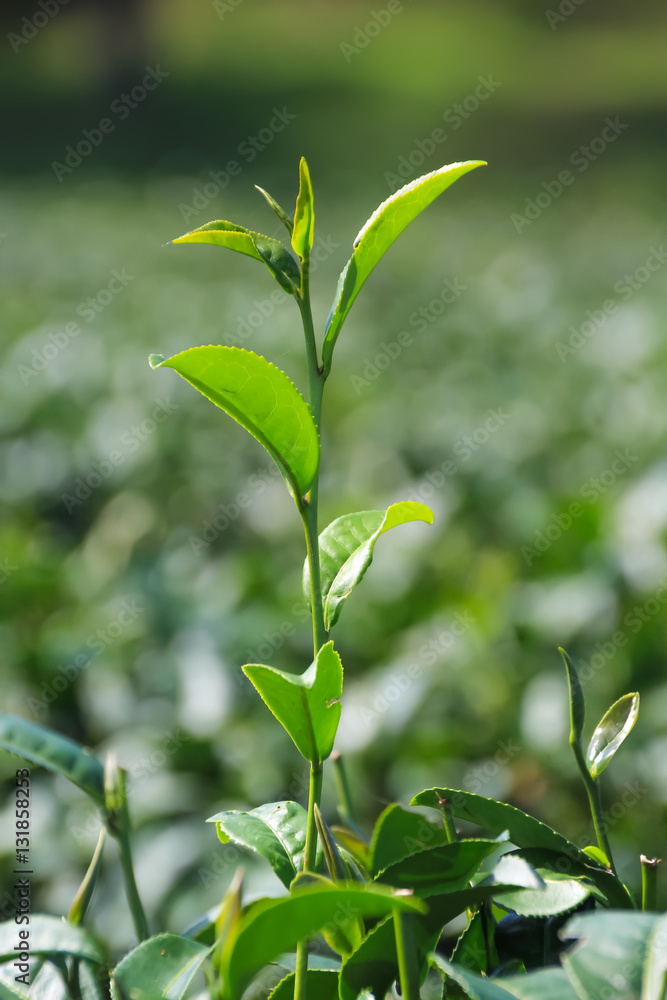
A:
(408, 969)
(131, 891)
(314, 796)
(593, 791)
(345, 808)
(448, 820)
(649, 883)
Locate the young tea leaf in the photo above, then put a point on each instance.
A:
(55, 752)
(610, 732)
(305, 704)
(276, 831)
(577, 708)
(163, 965)
(346, 551)
(304, 215)
(384, 226)
(272, 926)
(280, 212)
(262, 399)
(263, 248)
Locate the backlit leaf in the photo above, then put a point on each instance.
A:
(346, 551)
(304, 215)
(163, 965)
(577, 708)
(384, 226)
(305, 704)
(611, 731)
(262, 399)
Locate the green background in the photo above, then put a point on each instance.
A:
(108, 516)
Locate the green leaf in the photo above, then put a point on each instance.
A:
(577, 707)
(474, 986)
(304, 214)
(263, 400)
(440, 869)
(276, 831)
(55, 752)
(346, 551)
(384, 226)
(8, 991)
(470, 951)
(162, 965)
(305, 704)
(610, 732)
(263, 248)
(565, 884)
(49, 936)
(280, 212)
(344, 935)
(355, 845)
(321, 985)
(81, 901)
(610, 959)
(271, 926)
(545, 984)
(525, 831)
(398, 834)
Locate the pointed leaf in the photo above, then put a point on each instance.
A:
(263, 400)
(399, 833)
(280, 212)
(263, 248)
(577, 708)
(384, 226)
(305, 704)
(564, 884)
(163, 965)
(271, 926)
(321, 985)
(525, 831)
(81, 901)
(474, 986)
(346, 551)
(276, 831)
(353, 843)
(50, 936)
(440, 869)
(55, 752)
(610, 732)
(304, 215)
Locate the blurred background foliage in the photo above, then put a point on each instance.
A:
(147, 550)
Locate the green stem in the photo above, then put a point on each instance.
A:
(650, 883)
(131, 891)
(448, 820)
(408, 968)
(314, 797)
(593, 792)
(345, 807)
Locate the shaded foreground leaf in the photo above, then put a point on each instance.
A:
(399, 833)
(271, 926)
(346, 551)
(611, 732)
(262, 399)
(276, 831)
(439, 869)
(305, 704)
(613, 953)
(50, 936)
(163, 965)
(322, 985)
(385, 224)
(54, 752)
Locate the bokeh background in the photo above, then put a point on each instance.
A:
(146, 548)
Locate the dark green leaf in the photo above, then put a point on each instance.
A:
(439, 869)
(276, 831)
(474, 986)
(304, 215)
(305, 704)
(399, 833)
(163, 965)
(577, 707)
(263, 400)
(55, 752)
(271, 926)
(263, 248)
(322, 985)
(346, 551)
(49, 936)
(611, 731)
(385, 224)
